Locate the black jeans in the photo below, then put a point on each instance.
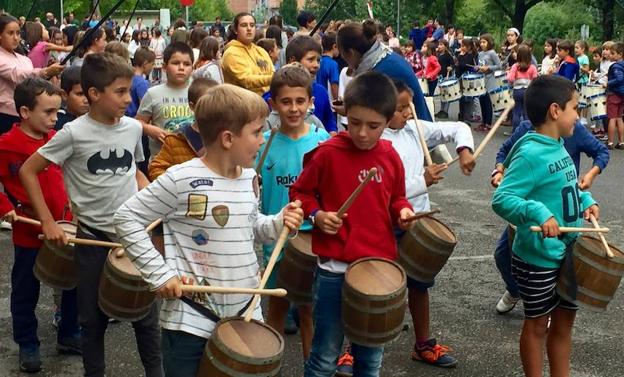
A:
(486, 109)
(90, 261)
(24, 297)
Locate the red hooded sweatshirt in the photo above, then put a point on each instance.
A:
(330, 174)
(15, 148)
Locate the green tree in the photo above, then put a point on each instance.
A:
(288, 10)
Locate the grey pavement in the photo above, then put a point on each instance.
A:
(462, 302)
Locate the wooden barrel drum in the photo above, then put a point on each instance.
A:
(425, 248)
(296, 271)
(123, 295)
(374, 297)
(54, 265)
(239, 348)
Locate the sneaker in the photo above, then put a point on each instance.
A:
(475, 119)
(69, 346)
(610, 146)
(434, 354)
(619, 146)
(5, 225)
(29, 359)
(345, 365)
(604, 137)
(442, 115)
(506, 303)
(56, 318)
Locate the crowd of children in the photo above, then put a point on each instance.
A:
(170, 127)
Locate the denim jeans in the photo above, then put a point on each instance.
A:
(329, 335)
(502, 256)
(182, 353)
(486, 109)
(518, 114)
(24, 297)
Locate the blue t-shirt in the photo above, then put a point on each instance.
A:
(281, 168)
(137, 91)
(328, 72)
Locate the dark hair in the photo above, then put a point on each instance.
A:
(99, 70)
(304, 18)
(299, 46)
(157, 32)
(469, 44)
(487, 37)
(27, 91)
(618, 48)
(583, 45)
(143, 55)
(180, 35)
(431, 48)
(274, 32)
(70, 32)
(135, 35)
(459, 30)
(231, 34)
(328, 41)
(277, 20)
(357, 36)
(410, 43)
(401, 87)
(110, 34)
(291, 75)
(6, 19)
(33, 33)
(90, 40)
(598, 51)
(70, 77)
(358, 93)
(528, 42)
(565, 44)
(179, 23)
(174, 47)
(197, 36)
(553, 44)
(208, 49)
(54, 30)
(524, 57)
(543, 92)
(198, 88)
(268, 44)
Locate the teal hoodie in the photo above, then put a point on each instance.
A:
(540, 182)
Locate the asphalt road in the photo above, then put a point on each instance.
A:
(462, 302)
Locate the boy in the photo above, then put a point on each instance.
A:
(615, 96)
(210, 211)
(76, 103)
(37, 101)
(185, 143)
(568, 68)
(164, 108)
(328, 74)
(98, 153)
(323, 186)
(291, 96)
(404, 137)
(537, 167)
(306, 22)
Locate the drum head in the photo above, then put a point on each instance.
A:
(303, 243)
(436, 227)
(249, 339)
(122, 263)
(375, 277)
(69, 228)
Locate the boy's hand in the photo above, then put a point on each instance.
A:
(171, 289)
(185, 280)
(497, 178)
(339, 109)
(593, 210)
(328, 222)
(550, 228)
(433, 173)
(54, 233)
(405, 214)
(293, 215)
(587, 180)
(10, 216)
(467, 161)
(156, 133)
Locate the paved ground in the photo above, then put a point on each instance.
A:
(463, 300)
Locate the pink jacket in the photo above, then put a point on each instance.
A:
(14, 68)
(515, 73)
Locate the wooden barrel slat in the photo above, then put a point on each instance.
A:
(54, 266)
(297, 267)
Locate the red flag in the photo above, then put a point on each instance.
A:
(187, 3)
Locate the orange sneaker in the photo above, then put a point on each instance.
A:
(345, 365)
(434, 354)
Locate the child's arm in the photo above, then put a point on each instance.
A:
(7, 211)
(617, 79)
(144, 115)
(267, 228)
(596, 150)
(511, 75)
(334, 78)
(400, 208)
(52, 47)
(433, 68)
(456, 132)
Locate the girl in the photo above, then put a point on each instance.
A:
(96, 43)
(37, 38)
(158, 45)
(432, 66)
(512, 41)
(208, 64)
(56, 37)
(447, 66)
(466, 61)
(488, 64)
(520, 76)
(134, 43)
(270, 46)
(549, 63)
(14, 68)
(144, 40)
(195, 39)
(413, 57)
(580, 48)
(273, 31)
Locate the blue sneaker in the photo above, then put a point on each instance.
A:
(29, 359)
(69, 346)
(434, 354)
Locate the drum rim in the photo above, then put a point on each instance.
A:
(373, 297)
(112, 253)
(454, 243)
(243, 358)
(618, 259)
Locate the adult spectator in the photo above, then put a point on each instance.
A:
(278, 21)
(417, 35)
(71, 19)
(218, 25)
(438, 34)
(50, 21)
(244, 63)
(139, 24)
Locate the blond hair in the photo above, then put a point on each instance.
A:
(227, 108)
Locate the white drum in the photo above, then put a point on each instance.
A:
(424, 86)
(501, 79)
(450, 90)
(597, 105)
(440, 154)
(590, 90)
(473, 85)
(500, 97)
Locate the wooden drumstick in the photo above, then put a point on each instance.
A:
(265, 151)
(84, 241)
(491, 133)
(279, 292)
(27, 220)
(564, 229)
(269, 268)
(421, 136)
(605, 244)
(421, 215)
(120, 253)
(345, 206)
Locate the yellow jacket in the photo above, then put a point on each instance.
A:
(175, 150)
(249, 67)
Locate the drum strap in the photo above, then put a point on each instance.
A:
(201, 309)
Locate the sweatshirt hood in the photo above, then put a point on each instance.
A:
(342, 141)
(543, 142)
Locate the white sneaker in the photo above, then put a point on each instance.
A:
(5, 225)
(506, 303)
